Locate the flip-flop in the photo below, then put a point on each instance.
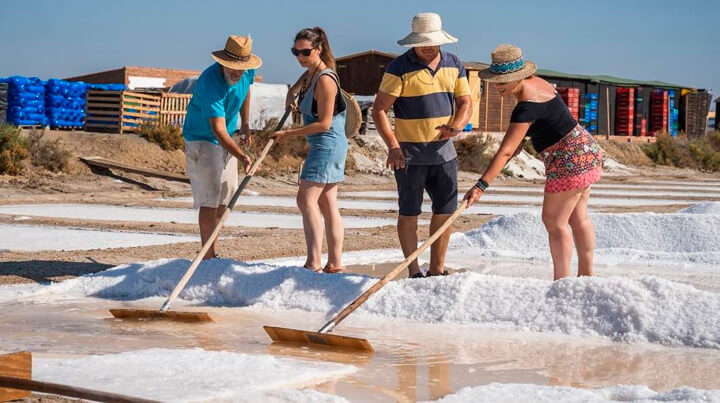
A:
(332, 271)
(318, 270)
(446, 272)
(418, 275)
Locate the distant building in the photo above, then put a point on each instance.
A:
(361, 73)
(141, 77)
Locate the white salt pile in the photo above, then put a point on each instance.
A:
(622, 309)
(514, 392)
(620, 238)
(194, 375)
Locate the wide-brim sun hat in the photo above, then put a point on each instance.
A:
(508, 65)
(237, 54)
(426, 31)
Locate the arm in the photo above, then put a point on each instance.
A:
(293, 90)
(219, 129)
(383, 103)
(510, 144)
(325, 92)
(245, 119)
(461, 118)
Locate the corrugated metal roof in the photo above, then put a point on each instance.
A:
(367, 52)
(608, 79)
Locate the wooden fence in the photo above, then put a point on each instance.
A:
(120, 111)
(173, 108)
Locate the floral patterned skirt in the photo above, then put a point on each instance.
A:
(575, 162)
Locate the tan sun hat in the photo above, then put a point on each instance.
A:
(508, 65)
(237, 54)
(426, 31)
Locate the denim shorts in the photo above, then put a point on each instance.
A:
(440, 181)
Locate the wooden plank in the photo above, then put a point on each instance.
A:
(140, 115)
(92, 104)
(106, 163)
(16, 365)
(104, 100)
(285, 335)
(103, 118)
(99, 126)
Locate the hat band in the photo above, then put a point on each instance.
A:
(507, 67)
(235, 57)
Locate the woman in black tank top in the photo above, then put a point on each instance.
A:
(573, 159)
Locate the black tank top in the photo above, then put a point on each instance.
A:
(551, 121)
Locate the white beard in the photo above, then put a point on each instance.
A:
(229, 80)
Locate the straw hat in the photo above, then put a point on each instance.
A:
(237, 54)
(427, 31)
(508, 65)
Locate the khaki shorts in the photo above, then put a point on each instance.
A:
(213, 174)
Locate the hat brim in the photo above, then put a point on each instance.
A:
(427, 39)
(529, 69)
(252, 63)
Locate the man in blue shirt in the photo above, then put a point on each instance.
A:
(220, 93)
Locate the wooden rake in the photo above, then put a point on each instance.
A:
(164, 312)
(323, 337)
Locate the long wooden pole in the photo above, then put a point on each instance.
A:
(386, 279)
(501, 113)
(486, 88)
(195, 263)
(66, 390)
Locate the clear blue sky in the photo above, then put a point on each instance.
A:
(674, 41)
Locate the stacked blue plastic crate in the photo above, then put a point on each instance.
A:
(65, 103)
(591, 113)
(26, 101)
(672, 114)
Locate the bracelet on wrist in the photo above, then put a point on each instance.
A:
(481, 184)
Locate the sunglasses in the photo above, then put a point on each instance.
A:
(304, 52)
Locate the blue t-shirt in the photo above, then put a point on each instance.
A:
(214, 98)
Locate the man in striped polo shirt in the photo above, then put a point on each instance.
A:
(429, 93)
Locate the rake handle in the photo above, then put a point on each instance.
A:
(196, 262)
(66, 390)
(386, 279)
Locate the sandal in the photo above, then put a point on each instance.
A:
(418, 275)
(444, 273)
(327, 269)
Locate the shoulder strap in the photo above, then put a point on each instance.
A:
(329, 72)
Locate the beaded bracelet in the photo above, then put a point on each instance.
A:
(481, 184)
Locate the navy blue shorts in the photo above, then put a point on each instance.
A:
(440, 181)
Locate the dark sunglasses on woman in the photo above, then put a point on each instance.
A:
(304, 52)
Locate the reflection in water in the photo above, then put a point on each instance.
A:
(412, 361)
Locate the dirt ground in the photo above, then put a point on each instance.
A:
(83, 185)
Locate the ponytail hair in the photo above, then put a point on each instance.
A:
(318, 37)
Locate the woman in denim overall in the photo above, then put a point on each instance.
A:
(323, 110)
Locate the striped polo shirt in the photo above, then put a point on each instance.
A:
(425, 100)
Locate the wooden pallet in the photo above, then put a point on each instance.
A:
(120, 111)
(105, 163)
(173, 108)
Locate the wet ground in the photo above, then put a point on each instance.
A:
(412, 361)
